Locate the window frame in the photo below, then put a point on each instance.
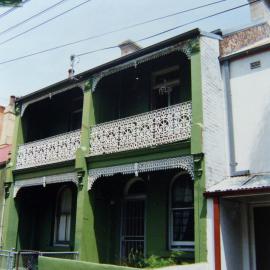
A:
(178, 245)
(56, 241)
(154, 85)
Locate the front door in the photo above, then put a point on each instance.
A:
(133, 228)
(262, 237)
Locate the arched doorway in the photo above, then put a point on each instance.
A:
(133, 219)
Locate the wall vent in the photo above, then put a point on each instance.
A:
(256, 64)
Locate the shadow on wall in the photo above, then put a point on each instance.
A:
(259, 154)
(231, 235)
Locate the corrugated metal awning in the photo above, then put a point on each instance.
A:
(240, 185)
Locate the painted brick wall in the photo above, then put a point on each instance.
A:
(213, 112)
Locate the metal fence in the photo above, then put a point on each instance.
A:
(28, 259)
(7, 259)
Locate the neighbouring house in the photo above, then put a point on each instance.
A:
(240, 201)
(115, 162)
(7, 119)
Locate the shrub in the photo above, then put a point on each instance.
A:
(136, 259)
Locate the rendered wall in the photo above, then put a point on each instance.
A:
(251, 110)
(45, 263)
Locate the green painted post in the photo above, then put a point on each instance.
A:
(196, 151)
(197, 112)
(85, 240)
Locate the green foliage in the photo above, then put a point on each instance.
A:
(156, 262)
(136, 259)
(10, 2)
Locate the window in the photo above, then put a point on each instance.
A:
(165, 85)
(182, 213)
(63, 216)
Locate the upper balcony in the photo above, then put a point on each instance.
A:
(51, 130)
(163, 126)
(142, 106)
(47, 151)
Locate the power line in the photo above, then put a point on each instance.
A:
(119, 29)
(45, 22)
(111, 32)
(7, 12)
(11, 10)
(170, 29)
(115, 46)
(32, 17)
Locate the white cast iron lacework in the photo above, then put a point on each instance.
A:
(49, 95)
(186, 47)
(185, 163)
(45, 180)
(144, 130)
(51, 150)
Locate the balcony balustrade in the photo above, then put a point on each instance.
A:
(149, 129)
(47, 151)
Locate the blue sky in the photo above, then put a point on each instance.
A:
(28, 75)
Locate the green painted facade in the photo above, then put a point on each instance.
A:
(96, 214)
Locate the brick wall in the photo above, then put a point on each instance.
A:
(213, 112)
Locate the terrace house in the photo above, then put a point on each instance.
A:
(116, 160)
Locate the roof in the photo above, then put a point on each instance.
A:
(240, 184)
(4, 153)
(86, 74)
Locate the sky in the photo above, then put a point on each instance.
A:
(92, 18)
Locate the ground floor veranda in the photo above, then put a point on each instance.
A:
(130, 214)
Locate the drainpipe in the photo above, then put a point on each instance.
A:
(230, 128)
(217, 243)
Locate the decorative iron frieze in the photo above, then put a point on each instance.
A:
(187, 47)
(25, 104)
(47, 151)
(149, 129)
(45, 180)
(185, 163)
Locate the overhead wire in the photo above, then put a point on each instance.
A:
(116, 46)
(2, 15)
(32, 17)
(44, 22)
(169, 30)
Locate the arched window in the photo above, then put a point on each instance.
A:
(63, 216)
(135, 187)
(182, 212)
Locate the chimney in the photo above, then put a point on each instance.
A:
(259, 10)
(12, 100)
(128, 47)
